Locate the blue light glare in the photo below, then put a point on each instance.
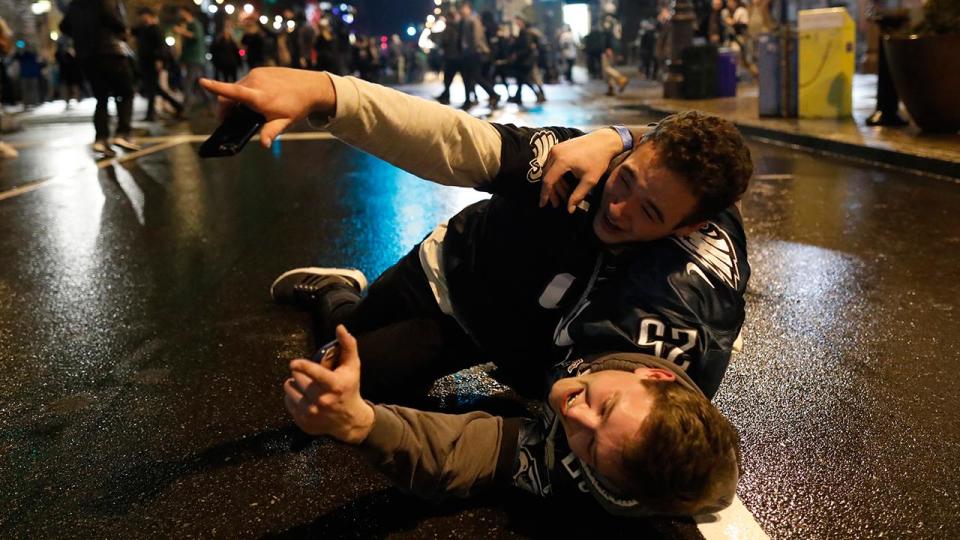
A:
(411, 31)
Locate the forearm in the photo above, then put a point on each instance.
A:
(427, 139)
(436, 454)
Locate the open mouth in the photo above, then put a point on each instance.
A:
(609, 224)
(571, 399)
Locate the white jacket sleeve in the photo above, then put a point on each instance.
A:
(427, 139)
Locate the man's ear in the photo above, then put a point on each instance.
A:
(658, 374)
(689, 229)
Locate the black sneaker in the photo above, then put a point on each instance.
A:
(302, 286)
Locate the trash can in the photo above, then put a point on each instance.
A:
(700, 72)
(777, 63)
(826, 63)
(726, 72)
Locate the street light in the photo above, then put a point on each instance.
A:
(229, 9)
(248, 8)
(41, 7)
(264, 19)
(212, 8)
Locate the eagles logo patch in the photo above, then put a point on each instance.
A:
(713, 251)
(541, 143)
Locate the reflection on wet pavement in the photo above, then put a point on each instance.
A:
(142, 357)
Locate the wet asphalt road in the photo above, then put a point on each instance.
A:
(141, 358)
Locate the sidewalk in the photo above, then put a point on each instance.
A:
(903, 147)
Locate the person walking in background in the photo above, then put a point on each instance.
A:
(736, 19)
(150, 53)
(476, 53)
(452, 56)
(524, 58)
(98, 28)
(327, 49)
(254, 43)
(661, 50)
(502, 49)
(192, 56)
(614, 79)
(225, 54)
(648, 46)
(568, 51)
(6, 44)
(71, 79)
(712, 27)
(307, 36)
(31, 71)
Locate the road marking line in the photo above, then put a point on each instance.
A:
(732, 523)
(294, 136)
(26, 188)
(140, 153)
(103, 163)
(773, 177)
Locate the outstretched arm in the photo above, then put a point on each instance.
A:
(424, 138)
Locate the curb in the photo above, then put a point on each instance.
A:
(891, 158)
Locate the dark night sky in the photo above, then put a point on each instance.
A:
(392, 16)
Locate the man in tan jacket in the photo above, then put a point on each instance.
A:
(631, 430)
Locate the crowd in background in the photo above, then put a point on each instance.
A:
(163, 60)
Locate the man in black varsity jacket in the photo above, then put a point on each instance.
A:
(652, 261)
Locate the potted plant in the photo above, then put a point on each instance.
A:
(925, 67)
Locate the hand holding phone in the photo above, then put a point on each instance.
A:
(240, 123)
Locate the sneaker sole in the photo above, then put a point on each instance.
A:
(356, 275)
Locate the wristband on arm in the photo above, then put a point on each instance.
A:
(625, 137)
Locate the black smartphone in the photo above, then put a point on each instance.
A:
(239, 124)
(328, 355)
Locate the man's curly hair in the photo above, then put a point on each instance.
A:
(709, 153)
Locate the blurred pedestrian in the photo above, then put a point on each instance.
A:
(225, 54)
(98, 29)
(502, 51)
(594, 46)
(292, 38)
(6, 45)
(396, 59)
(254, 44)
(475, 53)
(193, 56)
(568, 51)
(661, 50)
(648, 46)
(327, 48)
(31, 71)
(712, 27)
(736, 19)
(306, 37)
(71, 79)
(151, 51)
(366, 58)
(452, 49)
(525, 54)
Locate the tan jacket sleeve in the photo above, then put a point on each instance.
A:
(427, 139)
(435, 454)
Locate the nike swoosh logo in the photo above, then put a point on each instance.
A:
(694, 269)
